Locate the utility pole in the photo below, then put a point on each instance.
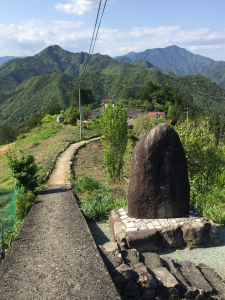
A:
(80, 115)
(187, 116)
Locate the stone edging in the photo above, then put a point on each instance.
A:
(73, 158)
(53, 163)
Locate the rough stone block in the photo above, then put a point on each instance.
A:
(194, 276)
(151, 260)
(145, 241)
(172, 237)
(165, 277)
(144, 278)
(130, 257)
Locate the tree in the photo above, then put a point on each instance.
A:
(86, 97)
(8, 134)
(127, 93)
(113, 126)
(204, 157)
(53, 108)
(85, 111)
(24, 170)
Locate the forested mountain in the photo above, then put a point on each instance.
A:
(35, 93)
(217, 76)
(175, 59)
(6, 58)
(55, 59)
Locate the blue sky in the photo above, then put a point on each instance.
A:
(29, 26)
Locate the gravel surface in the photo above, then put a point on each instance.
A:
(55, 256)
(212, 256)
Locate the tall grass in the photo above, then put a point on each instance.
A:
(98, 199)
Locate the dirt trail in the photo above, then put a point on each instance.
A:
(61, 174)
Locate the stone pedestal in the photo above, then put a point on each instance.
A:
(154, 235)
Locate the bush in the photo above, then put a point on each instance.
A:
(86, 184)
(24, 170)
(24, 202)
(210, 205)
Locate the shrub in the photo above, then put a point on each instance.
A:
(24, 170)
(86, 184)
(24, 202)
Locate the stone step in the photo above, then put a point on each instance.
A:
(194, 276)
(182, 281)
(215, 281)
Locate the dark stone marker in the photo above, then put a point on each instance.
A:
(159, 186)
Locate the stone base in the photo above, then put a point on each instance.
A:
(149, 235)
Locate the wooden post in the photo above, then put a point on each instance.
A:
(10, 241)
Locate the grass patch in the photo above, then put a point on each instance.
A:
(46, 134)
(6, 179)
(210, 205)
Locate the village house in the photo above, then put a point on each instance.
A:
(105, 102)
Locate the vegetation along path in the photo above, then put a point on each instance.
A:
(55, 256)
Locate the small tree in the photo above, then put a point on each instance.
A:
(113, 125)
(24, 170)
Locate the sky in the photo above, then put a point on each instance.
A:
(29, 26)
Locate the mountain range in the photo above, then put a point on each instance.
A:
(175, 59)
(29, 84)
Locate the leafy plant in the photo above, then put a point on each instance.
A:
(24, 202)
(24, 170)
(113, 126)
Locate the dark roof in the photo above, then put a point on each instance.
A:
(133, 112)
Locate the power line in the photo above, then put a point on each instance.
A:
(91, 50)
(94, 38)
(97, 33)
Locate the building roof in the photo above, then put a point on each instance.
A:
(155, 113)
(133, 112)
(108, 100)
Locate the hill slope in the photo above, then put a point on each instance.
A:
(217, 76)
(36, 93)
(175, 59)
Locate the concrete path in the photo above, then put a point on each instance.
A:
(61, 173)
(55, 256)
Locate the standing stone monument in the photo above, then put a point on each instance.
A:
(159, 186)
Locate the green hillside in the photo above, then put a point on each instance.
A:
(217, 76)
(55, 59)
(35, 93)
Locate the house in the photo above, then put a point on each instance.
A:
(158, 114)
(105, 102)
(60, 119)
(95, 114)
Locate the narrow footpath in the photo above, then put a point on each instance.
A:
(55, 256)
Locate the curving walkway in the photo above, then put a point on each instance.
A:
(55, 256)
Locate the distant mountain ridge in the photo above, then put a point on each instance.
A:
(175, 59)
(6, 58)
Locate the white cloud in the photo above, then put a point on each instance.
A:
(32, 36)
(152, 31)
(78, 7)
